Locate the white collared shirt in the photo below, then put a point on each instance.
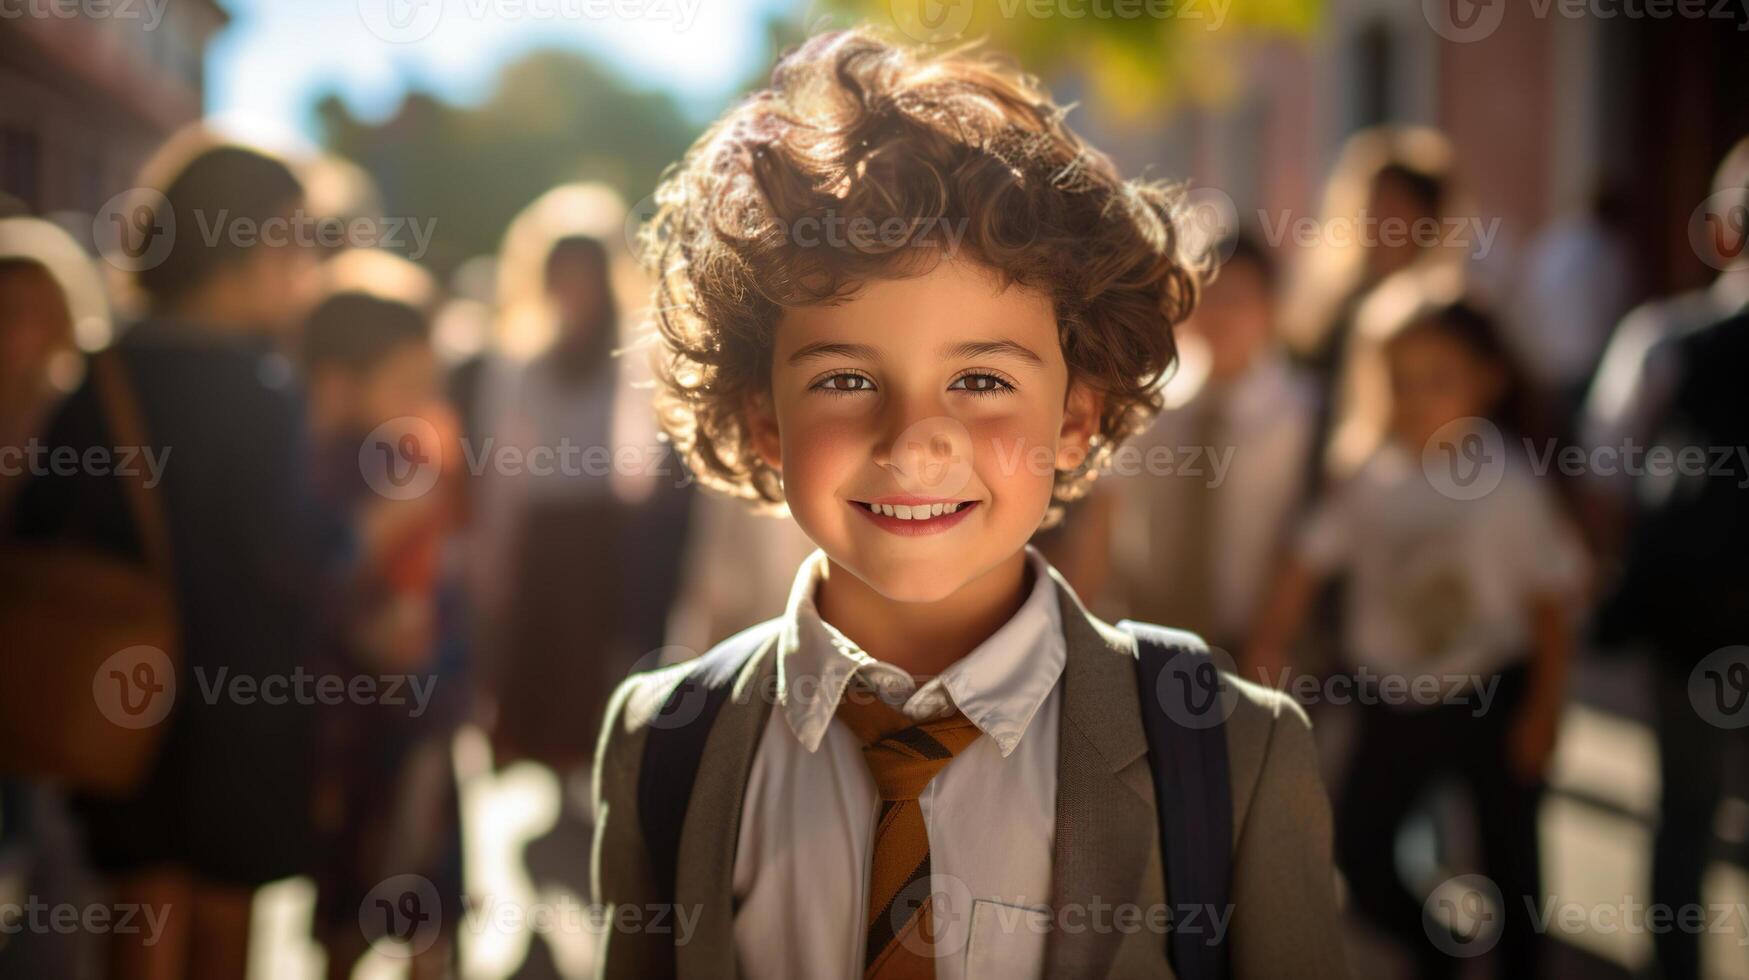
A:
(807, 820)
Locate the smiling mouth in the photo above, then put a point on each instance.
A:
(915, 512)
(916, 516)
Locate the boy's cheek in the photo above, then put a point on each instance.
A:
(1015, 456)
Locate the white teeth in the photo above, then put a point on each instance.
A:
(912, 512)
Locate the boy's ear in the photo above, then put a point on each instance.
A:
(762, 431)
(1081, 411)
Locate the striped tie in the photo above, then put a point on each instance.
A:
(903, 756)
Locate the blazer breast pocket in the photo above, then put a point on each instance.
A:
(1006, 942)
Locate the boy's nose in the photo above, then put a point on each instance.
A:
(928, 454)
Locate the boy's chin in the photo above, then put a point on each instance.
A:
(910, 580)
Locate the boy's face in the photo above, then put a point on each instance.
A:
(927, 392)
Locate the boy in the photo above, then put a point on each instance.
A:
(899, 296)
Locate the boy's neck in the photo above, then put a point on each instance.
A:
(924, 638)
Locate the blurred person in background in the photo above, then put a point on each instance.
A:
(1578, 279)
(581, 523)
(226, 805)
(49, 294)
(1390, 186)
(1637, 376)
(1672, 379)
(1474, 594)
(386, 800)
(1191, 532)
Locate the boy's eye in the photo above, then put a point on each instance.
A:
(980, 383)
(844, 383)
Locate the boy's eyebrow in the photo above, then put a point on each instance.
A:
(965, 349)
(822, 348)
(985, 348)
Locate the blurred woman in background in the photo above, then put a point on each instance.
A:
(581, 518)
(225, 807)
(1385, 212)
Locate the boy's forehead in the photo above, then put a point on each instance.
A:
(953, 303)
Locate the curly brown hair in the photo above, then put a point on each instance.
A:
(887, 136)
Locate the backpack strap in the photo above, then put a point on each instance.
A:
(674, 746)
(1183, 716)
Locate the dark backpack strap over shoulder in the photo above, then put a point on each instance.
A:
(674, 747)
(1183, 714)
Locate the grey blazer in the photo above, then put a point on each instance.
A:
(1283, 921)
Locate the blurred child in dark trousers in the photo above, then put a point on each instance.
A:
(386, 801)
(1461, 571)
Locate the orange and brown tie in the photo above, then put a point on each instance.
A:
(903, 756)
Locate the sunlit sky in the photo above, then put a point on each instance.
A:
(268, 67)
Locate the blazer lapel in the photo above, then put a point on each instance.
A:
(705, 881)
(1106, 850)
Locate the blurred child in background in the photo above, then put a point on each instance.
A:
(1454, 589)
(1194, 525)
(386, 801)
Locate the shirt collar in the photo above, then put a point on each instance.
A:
(999, 686)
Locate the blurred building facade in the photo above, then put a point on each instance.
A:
(88, 95)
(1545, 111)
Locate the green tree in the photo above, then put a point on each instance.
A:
(1135, 55)
(554, 117)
